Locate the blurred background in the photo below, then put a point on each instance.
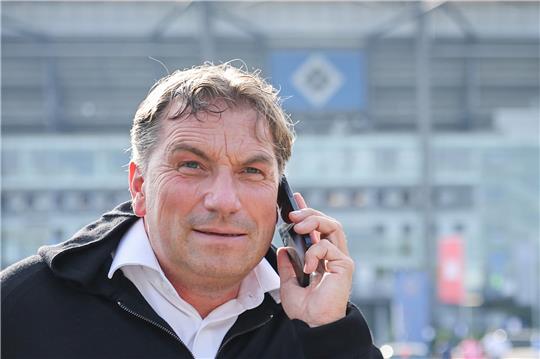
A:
(418, 128)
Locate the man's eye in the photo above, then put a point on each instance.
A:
(252, 170)
(191, 164)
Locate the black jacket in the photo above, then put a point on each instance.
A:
(60, 304)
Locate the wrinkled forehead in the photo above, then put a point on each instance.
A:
(211, 117)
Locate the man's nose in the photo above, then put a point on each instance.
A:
(222, 195)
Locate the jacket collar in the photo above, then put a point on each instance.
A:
(81, 257)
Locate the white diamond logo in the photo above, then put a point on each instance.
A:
(317, 80)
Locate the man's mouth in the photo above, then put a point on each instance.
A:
(221, 233)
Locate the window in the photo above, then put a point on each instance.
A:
(454, 160)
(58, 163)
(339, 198)
(365, 198)
(379, 229)
(459, 228)
(10, 163)
(386, 160)
(406, 230)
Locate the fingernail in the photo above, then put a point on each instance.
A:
(295, 213)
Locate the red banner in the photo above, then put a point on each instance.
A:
(451, 270)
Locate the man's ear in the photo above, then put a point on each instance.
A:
(136, 189)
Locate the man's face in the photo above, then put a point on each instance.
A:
(208, 196)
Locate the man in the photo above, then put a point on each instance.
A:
(186, 269)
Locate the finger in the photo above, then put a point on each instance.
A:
(315, 237)
(302, 214)
(297, 216)
(300, 200)
(328, 228)
(336, 260)
(285, 268)
(323, 224)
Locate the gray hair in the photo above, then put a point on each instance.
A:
(196, 89)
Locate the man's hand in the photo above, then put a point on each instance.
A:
(325, 299)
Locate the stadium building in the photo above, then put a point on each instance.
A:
(417, 123)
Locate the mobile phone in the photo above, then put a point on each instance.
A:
(295, 244)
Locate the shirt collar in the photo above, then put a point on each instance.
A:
(268, 279)
(134, 249)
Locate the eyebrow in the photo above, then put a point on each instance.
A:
(187, 148)
(258, 158)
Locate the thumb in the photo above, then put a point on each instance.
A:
(285, 268)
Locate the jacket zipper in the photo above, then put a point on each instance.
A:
(171, 333)
(242, 333)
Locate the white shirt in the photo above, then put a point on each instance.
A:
(135, 257)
